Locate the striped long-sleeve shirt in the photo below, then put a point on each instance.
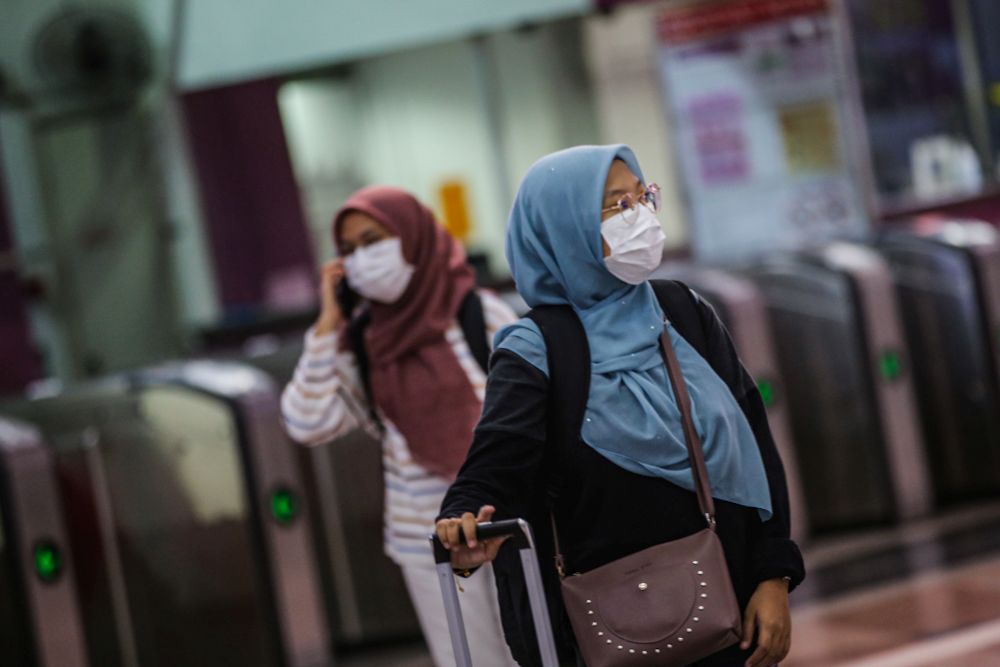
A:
(325, 400)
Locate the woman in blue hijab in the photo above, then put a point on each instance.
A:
(583, 233)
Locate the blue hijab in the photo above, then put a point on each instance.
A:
(632, 419)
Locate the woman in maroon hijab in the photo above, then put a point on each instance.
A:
(399, 365)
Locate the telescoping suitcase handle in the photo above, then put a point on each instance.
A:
(521, 539)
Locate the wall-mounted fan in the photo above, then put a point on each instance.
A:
(92, 53)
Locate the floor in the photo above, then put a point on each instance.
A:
(949, 617)
(923, 595)
(415, 655)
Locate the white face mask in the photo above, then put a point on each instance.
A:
(378, 271)
(635, 238)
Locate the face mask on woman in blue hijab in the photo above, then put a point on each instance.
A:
(633, 236)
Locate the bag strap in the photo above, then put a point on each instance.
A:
(681, 307)
(691, 437)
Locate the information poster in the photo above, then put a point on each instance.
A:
(757, 100)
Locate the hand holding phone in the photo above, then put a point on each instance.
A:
(330, 314)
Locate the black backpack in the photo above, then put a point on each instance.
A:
(470, 318)
(568, 357)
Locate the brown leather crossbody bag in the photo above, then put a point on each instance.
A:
(668, 605)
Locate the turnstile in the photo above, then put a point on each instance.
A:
(947, 276)
(366, 596)
(187, 512)
(846, 368)
(741, 307)
(39, 616)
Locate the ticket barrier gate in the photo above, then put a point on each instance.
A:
(947, 277)
(366, 597)
(846, 368)
(40, 623)
(185, 508)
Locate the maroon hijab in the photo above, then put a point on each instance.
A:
(416, 379)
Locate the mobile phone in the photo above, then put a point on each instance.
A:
(347, 298)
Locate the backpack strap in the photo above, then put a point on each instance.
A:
(470, 317)
(680, 305)
(568, 355)
(356, 338)
(473, 322)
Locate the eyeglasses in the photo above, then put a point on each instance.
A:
(650, 198)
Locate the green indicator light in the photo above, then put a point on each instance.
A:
(766, 389)
(284, 506)
(48, 561)
(890, 365)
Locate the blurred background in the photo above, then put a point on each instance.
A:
(168, 173)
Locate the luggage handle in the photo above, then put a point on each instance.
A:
(521, 538)
(485, 531)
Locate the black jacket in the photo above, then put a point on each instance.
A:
(520, 463)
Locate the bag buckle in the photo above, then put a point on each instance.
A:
(710, 519)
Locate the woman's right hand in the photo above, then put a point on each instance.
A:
(331, 273)
(472, 553)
